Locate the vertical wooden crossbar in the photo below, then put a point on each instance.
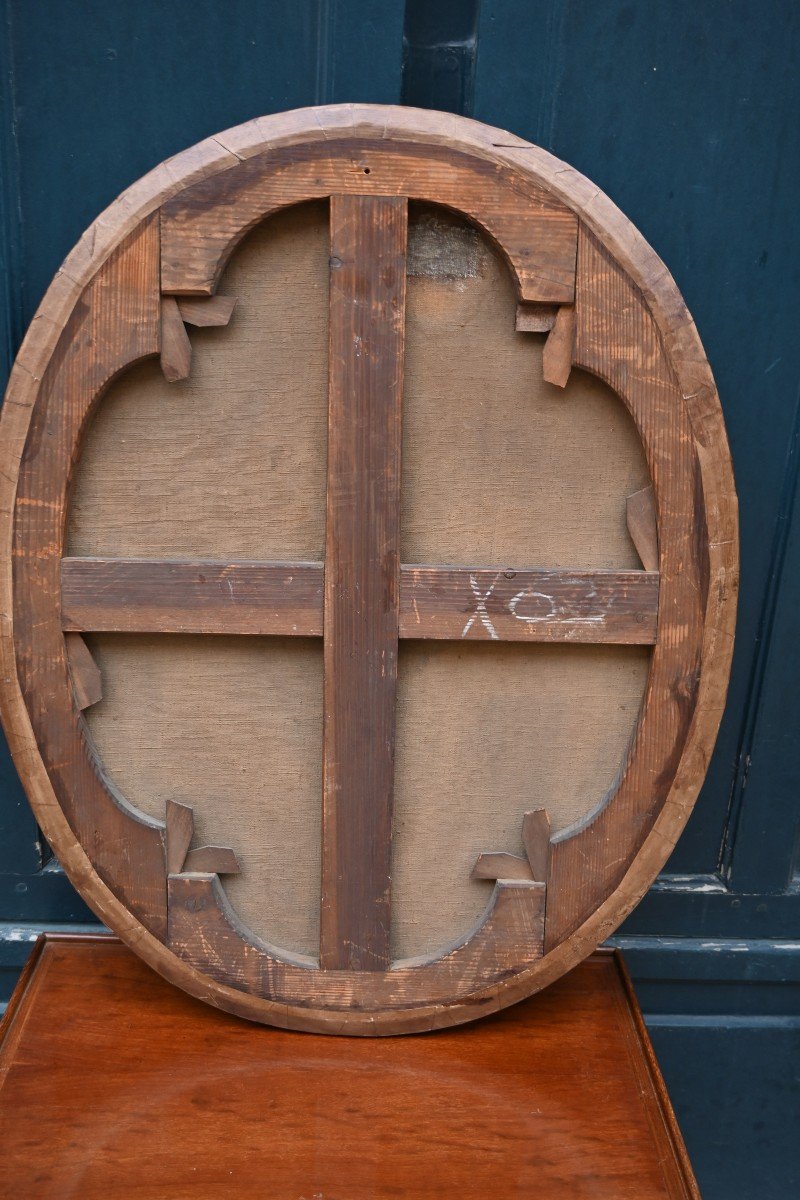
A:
(362, 572)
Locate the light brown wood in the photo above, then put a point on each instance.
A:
(212, 860)
(120, 308)
(589, 859)
(536, 862)
(502, 866)
(85, 673)
(206, 312)
(559, 347)
(233, 730)
(640, 513)
(675, 407)
(233, 727)
(536, 840)
(180, 831)
(253, 412)
(176, 349)
(538, 238)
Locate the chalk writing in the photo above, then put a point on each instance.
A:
(555, 611)
(480, 613)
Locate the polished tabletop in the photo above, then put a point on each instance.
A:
(115, 1084)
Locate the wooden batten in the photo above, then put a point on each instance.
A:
(362, 577)
(640, 513)
(86, 678)
(212, 860)
(286, 600)
(536, 861)
(559, 347)
(180, 831)
(176, 349)
(206, 311)
(536, 840)
(502, 865)
(206, 860)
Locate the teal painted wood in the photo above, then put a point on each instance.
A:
(706, 906)
(440, 43)
(765, 853)
(687, 115)
(736, 1094)
(20, 846)
(106, 92)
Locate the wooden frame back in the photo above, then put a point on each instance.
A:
(124, 294)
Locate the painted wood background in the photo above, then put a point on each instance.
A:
(686, 114)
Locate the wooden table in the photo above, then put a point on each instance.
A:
(115, 1084)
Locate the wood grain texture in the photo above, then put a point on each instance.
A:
(286, 599)
(246, 756)
(176, 349)
(205, 932)
(206, 311)
(201, 228)
(534, 865)
(86, 678)
(535, 318)
(501, 866)
(561, 1095)
(115, 323)
(505, 604)
(560, 347)
(180, 831)
(212, 860)
(617, 339)
(158, 596)
(632, 329)
(362, 577)
(640, 514)
(536, 829)
(230, 464)
(233, 727)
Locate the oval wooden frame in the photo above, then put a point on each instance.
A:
(626, 301)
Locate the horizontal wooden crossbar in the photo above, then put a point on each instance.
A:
(286, 599)
(129, 595)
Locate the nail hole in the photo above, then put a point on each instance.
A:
(366, 170)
